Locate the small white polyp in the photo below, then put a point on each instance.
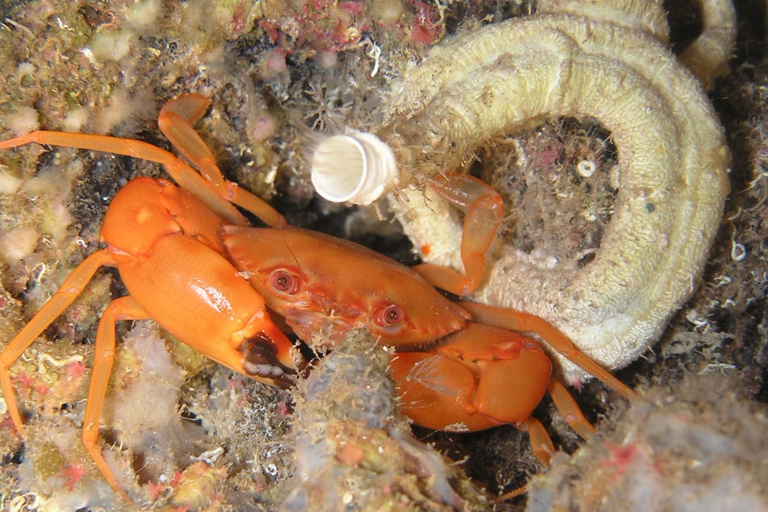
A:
(356, 167)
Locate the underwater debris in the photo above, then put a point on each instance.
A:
(695, 445)
(353, 451)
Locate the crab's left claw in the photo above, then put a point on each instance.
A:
(479, 378)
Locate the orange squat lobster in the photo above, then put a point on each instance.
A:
(191, 262)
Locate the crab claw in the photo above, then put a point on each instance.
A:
(267, 357)
(481, 377)
(261, 351)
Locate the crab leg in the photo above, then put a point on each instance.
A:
(482, 207)
(542, 447)
(480, 377)
(541, 443)
(175, 121)
(181, 172)
(66, 294)
(519, 321)
(124, 308)
(570, 409)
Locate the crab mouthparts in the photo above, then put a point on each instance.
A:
(307, 323)
(260, 360)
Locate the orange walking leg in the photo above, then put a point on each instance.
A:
(181, 172)
(482, 207)
(570, 409)
(175, 121)
(542, 447)
(519, 321)
(66, 294)
(124, 308)
(541, 443)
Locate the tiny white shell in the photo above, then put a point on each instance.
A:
(586, 168)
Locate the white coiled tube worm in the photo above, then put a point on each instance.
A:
(673, 168)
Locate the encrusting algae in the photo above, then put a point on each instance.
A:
(354, 452)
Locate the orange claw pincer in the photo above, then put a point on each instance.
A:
(166, 244)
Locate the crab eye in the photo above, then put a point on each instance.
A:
(389, 315)
(285, 282)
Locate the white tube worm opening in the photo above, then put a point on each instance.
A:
(356, 167)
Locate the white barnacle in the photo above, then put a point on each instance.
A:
(671, 149)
